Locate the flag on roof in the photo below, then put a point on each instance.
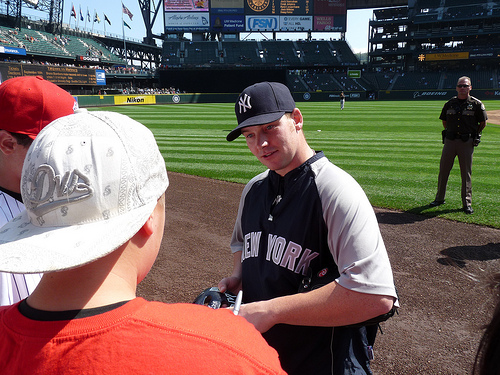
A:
(126, 24)
(107, 19)
(88, 15)
(96, 18)
(127, 12)
(73, 12)
(81, 15)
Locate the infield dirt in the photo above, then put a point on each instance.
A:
(494, 117)
(441, 269)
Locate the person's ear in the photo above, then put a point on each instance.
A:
(297, 119)
(7, 142)
(148, 227)
(151, 223)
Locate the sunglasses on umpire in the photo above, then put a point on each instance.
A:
(462, 86)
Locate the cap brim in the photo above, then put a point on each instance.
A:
(265, 118)
(27, 248)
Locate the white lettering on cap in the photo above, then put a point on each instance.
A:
(244, 103)
(47, 187)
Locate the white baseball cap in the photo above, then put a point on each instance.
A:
(90, 181)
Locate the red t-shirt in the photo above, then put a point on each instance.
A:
(139, 337)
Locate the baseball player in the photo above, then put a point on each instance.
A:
(464, 118)
(94, 187)
(308, 253)
(342, 100)
(27, 104)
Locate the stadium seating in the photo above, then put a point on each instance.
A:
(242, 53)
(417, 81)
(42, 43)
(257, 53)
(398, 38)
(321, 82)
(35, 41)
(171, 53)
(282, 53)
(318, 53)
(201, 53)
(480, 79)
(379, 80)
(296, 82)
(428, 4)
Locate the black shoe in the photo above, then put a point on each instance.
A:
(468, 210)
(436, 203)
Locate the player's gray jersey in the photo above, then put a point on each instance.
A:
(301, 231)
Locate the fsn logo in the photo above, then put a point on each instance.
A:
(259, 23)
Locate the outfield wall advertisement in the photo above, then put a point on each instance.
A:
(434, 94)
(441, 95)
(138, 99)
(12, 50)
(258, 15)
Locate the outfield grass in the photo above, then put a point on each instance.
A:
(391, 148)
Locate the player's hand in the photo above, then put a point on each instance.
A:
(259, 314)
(231, 284)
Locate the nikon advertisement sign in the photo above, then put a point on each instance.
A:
(139, 99)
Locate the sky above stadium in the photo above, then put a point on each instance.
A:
(356, 35)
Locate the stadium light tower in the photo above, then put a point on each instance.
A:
(53, 7)
(14, 11)
(149, 11)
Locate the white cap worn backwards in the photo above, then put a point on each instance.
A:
(90, 181)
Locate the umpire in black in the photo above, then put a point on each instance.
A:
(464, 117)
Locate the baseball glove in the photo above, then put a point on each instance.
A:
(214, 299)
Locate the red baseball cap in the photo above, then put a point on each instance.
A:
(28, 104)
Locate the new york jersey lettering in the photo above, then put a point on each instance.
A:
(251, 245)
(283, 253)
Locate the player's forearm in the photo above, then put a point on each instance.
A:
(331, 305)
(237, 265)
(233, 282)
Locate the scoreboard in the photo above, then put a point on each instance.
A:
(254, 15)
(60, 75)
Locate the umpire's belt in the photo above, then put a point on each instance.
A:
(456, 135)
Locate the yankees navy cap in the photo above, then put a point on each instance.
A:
(260, 104)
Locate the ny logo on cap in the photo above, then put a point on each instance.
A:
(244, 103)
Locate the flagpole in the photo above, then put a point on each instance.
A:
(93, 21)
(124, 43)
(104, 22)
(62, 18)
